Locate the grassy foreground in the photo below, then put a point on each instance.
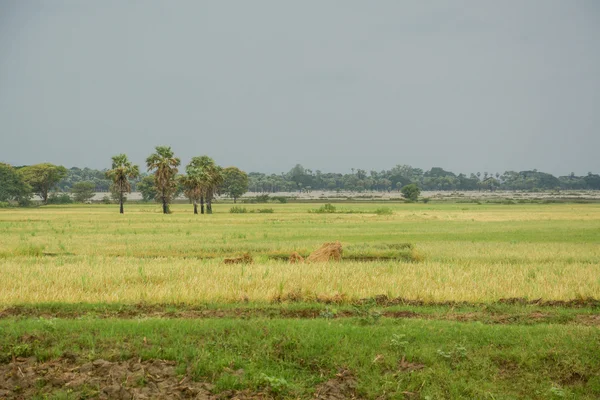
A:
(450, 301)
(291, 358)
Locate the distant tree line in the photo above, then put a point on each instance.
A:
(359, 180)
(203, 180)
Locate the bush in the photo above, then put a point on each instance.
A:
(25, 202)
(384, 211)
(83, 191)
(280, 199)
(106, 200)
(4, 204)
(265, 210)
(425, 200)
(324, 209)
(60, 198)
(411, 192)
(263, 198)
(238, 210)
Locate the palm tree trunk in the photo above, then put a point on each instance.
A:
(195, 207)
(209, 205)
(121, 203)
(202, 205)
(165, 205)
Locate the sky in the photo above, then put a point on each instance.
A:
(466, 85)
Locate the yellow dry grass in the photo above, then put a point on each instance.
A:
(124, 279)
(482, 253)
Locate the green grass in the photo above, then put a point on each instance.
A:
(458, 360)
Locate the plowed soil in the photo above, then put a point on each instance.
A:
(24, 378)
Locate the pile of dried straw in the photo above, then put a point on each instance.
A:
(328, 251)
(296, 258)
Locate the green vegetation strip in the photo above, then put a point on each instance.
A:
(291, 358)
(369, 310)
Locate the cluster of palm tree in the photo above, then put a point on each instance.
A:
(200, 184)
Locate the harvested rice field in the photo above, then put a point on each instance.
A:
(373, 300)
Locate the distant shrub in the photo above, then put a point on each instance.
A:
(384, 211)
(280, 199)
(425, 200)
(324, 209)
(106, 199)
(263, 198)
(4, 204)
(60, 198)
(411, 192)
(265, 210)
(238, 210)
(25, 202)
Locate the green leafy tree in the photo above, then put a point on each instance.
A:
(164, 164)
(122, 170)
(235, 182)
(83, 191)
(147, 188)
(411, 192)
(43, 178)
(12, 185)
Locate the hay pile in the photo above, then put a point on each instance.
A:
(296, 258)
(328, 251)
(246, 258)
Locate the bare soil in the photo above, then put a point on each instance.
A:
(24, 378)
(187, 312)
(341, 387)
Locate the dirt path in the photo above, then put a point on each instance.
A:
(549, 315)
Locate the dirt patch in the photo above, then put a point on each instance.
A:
(406, 366)
(244, 259)
(588, 319)
(573, 378)
(327, 252)
(296, 258)
(402, 314)
(340, 387)
(198, 312)
(25, 378)
(384, 300)
(574, 303)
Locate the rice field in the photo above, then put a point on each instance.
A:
(429, 301)
(471, 253)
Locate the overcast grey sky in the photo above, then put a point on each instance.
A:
(465, 85)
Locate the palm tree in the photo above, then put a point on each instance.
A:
(213, 184)
(192, 185)
(164, 165)
(209, 177)
(122, 170)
